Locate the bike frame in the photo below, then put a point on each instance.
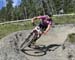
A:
(35, 33)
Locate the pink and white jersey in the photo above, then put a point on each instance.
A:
(45, 20)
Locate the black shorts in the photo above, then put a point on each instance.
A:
(42, 27)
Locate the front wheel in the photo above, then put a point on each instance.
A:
(27, 41)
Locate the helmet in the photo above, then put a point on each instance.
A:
(50, 15)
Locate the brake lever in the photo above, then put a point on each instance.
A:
(33, 24)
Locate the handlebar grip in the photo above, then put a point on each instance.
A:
(33, 24)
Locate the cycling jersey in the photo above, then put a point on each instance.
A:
(45, 21)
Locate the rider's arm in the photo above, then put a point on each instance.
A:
(47, 29)
(38, 17)
(33, 19)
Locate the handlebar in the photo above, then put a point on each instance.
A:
(33, 24)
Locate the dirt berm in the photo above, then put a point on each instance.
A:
(60, 48)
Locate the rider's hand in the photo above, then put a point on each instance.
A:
(44, 32)
(40, 33)
(33, 24)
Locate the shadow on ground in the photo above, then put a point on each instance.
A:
(41, 50)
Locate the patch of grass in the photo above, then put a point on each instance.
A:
(6, 29)
(71, 38)
(64, 19)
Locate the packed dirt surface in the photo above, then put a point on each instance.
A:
(53, 49)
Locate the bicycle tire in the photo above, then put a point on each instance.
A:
(27, 41)
(34, 52)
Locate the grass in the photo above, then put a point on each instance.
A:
(6, 29)
(71, 38)
(64, 19)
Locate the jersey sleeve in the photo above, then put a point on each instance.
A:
(41, 17)
(50, 22)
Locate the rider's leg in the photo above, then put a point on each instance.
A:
(42, 28)
(34, 41)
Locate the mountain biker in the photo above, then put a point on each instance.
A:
(45, 24)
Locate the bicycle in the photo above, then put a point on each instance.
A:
(34, 34)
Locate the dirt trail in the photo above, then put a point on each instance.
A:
(58, 34)
(9, 45)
